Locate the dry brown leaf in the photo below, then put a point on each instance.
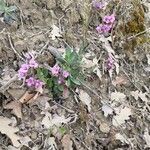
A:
(147, 137)
(139, 94)
(16, 107)
(120, 80)
(55, 32)
(85, 98)
(118, 96)
(120, 137)
(66, 142)
(122, 115)
(34, 98)
(26, 97)
(24, 142)
(9, 130)
(49, 121)
(41, 101)
(107, 110)
(50, 143)
(16, 93)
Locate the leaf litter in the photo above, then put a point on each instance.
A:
(114, 103)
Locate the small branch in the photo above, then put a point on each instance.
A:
(69, 110)
(133, 36)
(10, 42)
(40, 52)
(6, 86)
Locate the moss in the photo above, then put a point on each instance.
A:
(132, 24)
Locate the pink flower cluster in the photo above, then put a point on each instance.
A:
(32, 82)
(30, 63)
(107, 24)
(56, 71)
(98, 5)
(110, 62)
(23, 71)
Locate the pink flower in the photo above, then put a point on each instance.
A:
(55, 70)
(103, 28)
(65, 74)
(22, 72)
(98, 5)
(61, 80)
(30, 82)
(109, 19)
(38, 84)
(110, 62)
(33, 63)
(24, 68)
(21, 75)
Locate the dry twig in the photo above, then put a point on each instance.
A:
(15, 51)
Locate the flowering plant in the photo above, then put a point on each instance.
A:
(107, 24)
(57, 78)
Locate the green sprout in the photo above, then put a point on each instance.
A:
(8, 12)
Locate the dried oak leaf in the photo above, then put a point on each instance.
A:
(118, 96)
(86, 99)
(122, 115)
(16, 107)
(55, 32)
(107, 110)
(147, 137)
(9, 130)
(120, 80)
(29, 97)
(50, 121)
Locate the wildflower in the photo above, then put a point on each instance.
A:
(38, 84)
(30, 82)
(109, 19)
(110, 62)
(33, 63)
(22, 72)
(103, 28)
(98, 5)
(61, 80)
(21, 75)
(65, 74)
(24, 68)
(55, 70)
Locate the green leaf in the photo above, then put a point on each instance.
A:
(60, 88)
(49, 83)
(42, 72)
(68, 82)
(62, 130)
(11, 8)
(75, 81)
(9, 18)
(39, 72)
(2, 4)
